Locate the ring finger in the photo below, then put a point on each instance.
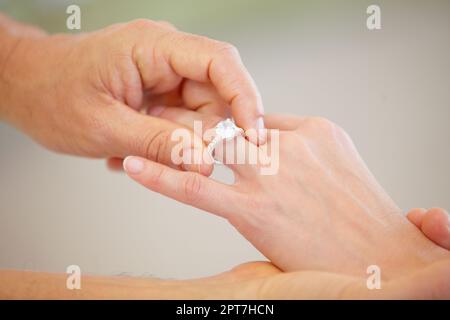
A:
(202, 124)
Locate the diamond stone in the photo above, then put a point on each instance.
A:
(227, 129)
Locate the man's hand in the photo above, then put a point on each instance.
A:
(255, 280)
(83, 94)
(434, 224)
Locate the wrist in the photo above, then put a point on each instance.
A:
(13, 35)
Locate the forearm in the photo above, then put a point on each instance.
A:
(12, 33)
(38, 285)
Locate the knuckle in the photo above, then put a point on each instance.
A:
(322, 127)
(140, 24)
(343, 135)
(210, 122)
(156, 145)
(191, 187)
(290, 138)
(226, 50)
(167, 24)
(319, 124)
(246, 97)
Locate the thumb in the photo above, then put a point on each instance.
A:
(158, 140)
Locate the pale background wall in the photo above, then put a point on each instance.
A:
(389, 89)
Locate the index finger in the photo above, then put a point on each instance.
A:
(205, 60)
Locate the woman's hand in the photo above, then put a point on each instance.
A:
(322, 211)
(82, 94)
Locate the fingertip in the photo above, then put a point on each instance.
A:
(416, 211)
(438, 211)
(262, 137)
(133, 165)
(256, 133)
(115, 164)
(439, 216)
(416, 215)
(436, 226)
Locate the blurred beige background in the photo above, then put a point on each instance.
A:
(390, 89)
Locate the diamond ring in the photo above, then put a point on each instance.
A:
(224, 130)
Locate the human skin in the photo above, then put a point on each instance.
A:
(30, 101)
(322, 211)
(434, 223)
(81, 94)
(256, 280)
(31, 62)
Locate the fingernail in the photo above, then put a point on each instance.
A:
(133, 165)
(156, 110)
(260, 123)
(261, 137)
